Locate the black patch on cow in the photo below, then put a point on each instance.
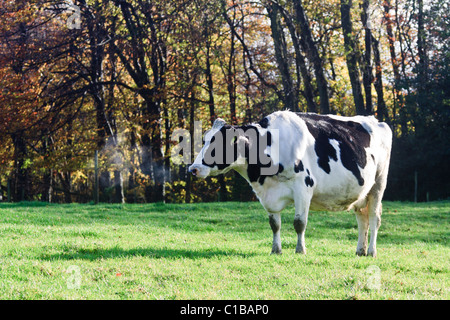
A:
(269, 138)
(262, 141)
(274, 224)
(263, 177)
(213, 146)
(253, 172)
(298, 166)
(264, 123)
(299, 225)
(309, 181)
(307, 171)
(352, 139)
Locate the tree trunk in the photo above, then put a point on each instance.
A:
(96, 90)
(131, 195)
(422, 75)
(231, 79)
(210, 83)
(152, 156)
(313, 54)
(246, 84)
(290, 95)
(21, 185)
(182, 168)
(367, 63)
(398, 99)
(191, 132)
(168, 132)
(48, 174)
(382, 112)
(403, 65)
(302, 70)
(142, 61)
(118, 186)
(351, 56)
(247, 51)
(65, 178)
(48, 186)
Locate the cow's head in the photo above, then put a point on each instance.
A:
(224, 149)
(243, 148)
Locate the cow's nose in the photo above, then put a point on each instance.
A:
(194, 170)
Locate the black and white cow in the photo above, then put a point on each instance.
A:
(319, 162)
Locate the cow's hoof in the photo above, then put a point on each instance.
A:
(361, 252)
(372, 253)
(300, 251)
(276, 252)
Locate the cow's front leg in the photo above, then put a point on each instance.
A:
(275, 224)
(300, 221)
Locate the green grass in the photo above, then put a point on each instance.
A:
(216, 251)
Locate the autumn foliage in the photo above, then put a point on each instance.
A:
(119, 76)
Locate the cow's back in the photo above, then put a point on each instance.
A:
(342, 156)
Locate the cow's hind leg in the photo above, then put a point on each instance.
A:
(275, 224)
(369, 217)
(363, 230)
(375, 209)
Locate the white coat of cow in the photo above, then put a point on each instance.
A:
(322, 162)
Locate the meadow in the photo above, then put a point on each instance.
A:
(217, 251)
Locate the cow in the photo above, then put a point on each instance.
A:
(317, 162)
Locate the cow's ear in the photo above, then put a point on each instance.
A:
(218, 123)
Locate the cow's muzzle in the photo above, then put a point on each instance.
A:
(194, 171)
(199, 171)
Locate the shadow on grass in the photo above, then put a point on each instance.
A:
(162, 253)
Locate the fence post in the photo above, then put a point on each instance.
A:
(96, 177)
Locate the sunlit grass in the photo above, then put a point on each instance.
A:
(217, 251)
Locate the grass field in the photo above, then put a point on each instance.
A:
(217, 251)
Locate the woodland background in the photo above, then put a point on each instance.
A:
(127, 74)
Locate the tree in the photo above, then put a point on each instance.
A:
(310, 48)
(301, 66)
(351, 53)
(290, 92)
(144, 58)
(133, 70)
(367, 57)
